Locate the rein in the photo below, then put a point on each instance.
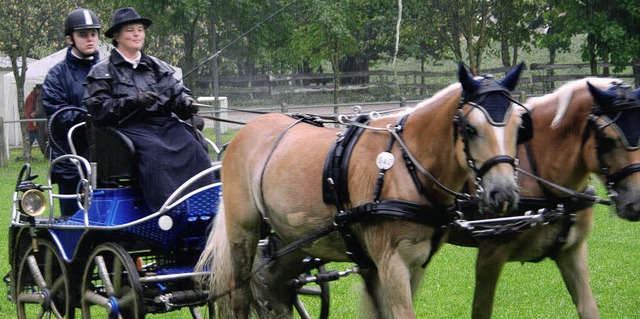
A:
(395, 130)
(580, 195)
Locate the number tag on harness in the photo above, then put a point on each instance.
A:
(385, 160)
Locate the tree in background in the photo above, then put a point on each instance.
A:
(612, 29)
(25, 26)
(512, 31)
(617, 31)
(327, 34)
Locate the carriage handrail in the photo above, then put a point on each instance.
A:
(170, 203)
(212, 144)
(80, 163)
(70, 137)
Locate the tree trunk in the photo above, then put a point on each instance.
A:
(19, 75)
(591, 48)
(334, 57)
(3, 147)
(591, 43)
(552, 60)
(605, 60)
(504, 49)
(636, 72)
(189, 43)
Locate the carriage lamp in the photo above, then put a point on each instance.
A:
(33, 203)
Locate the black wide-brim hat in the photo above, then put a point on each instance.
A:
(125, 16)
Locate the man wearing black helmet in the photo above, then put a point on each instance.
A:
(62, 88)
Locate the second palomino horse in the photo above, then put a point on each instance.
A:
(573, 137)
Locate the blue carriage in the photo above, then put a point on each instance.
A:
(113, 258)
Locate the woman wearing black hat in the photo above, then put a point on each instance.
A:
(139, 95)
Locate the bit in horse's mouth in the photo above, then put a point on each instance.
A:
(505, 207)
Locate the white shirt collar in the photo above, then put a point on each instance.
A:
(134, 62)
(81, 58)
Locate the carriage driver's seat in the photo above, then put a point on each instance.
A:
(115, 156)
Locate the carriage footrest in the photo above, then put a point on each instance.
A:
(323, 277)
(179, 299)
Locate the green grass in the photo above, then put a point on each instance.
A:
(525, 290)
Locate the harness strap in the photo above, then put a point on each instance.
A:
(494, 161)
(273, 148)
(399, 209)
(534, 168)
(622, 173)
(336, 165)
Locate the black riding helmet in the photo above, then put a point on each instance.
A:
(81, 19)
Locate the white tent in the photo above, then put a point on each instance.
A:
(36, 73)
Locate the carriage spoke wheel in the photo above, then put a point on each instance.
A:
(320, 290)
(43, 288)
(110, 285)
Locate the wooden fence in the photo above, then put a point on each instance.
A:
(536, 79)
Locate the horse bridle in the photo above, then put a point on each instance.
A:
(610, 178)
(525, 132)
(460, 121)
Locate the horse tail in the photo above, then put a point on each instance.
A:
(215, 261)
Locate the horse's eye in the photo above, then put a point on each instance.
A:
(471, 131)
(606, 144)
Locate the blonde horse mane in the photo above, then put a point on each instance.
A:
(565, 94)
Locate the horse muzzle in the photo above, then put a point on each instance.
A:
(499, 195)
(628, 204)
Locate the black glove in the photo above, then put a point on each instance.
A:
(145, 99)
(187, 109)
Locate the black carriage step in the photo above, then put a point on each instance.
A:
(323, 276)
(179, 299)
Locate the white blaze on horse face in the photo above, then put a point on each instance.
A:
(479, 120)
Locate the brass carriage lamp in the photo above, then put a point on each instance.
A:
(33, 203)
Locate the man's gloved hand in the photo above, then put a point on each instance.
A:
(145, 99)
(187, 109)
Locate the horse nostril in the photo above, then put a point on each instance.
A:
(632, 212)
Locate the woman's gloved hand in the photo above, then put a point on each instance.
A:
(187, 109)
(146, 99)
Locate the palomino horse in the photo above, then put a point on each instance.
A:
(573, 138)
(386, 199)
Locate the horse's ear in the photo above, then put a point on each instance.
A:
(511, 80)
(601, 97)
(469, 85)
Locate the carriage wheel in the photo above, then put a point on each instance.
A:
(320, 290)
(43, 289)
(110, 285)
